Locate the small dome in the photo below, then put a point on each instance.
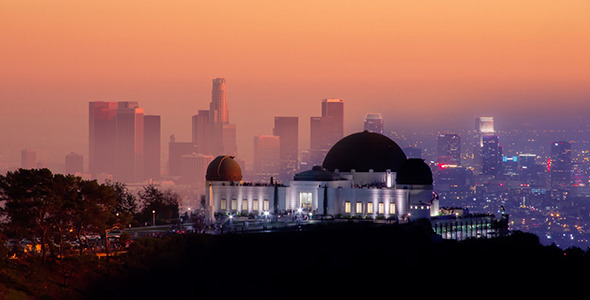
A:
(414, 171)
(224, 168)
(317, 173)
(364, 151)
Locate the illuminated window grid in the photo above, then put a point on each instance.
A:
(347, 207)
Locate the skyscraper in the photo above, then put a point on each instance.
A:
(129, 142)
(218, 111)
(102, 138)
(326, 130)
(287, 129)
(449, 149)
(116, 135)
(200, 131)
(152, 147)
(560, 164)
(374, 123)
(484, 126)
(212, 133)
(333, 120)
(491, 155)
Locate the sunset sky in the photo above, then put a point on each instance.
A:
(424, 60)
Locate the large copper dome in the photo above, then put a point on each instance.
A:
(364, 151)
(224, 168)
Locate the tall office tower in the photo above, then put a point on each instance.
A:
(200, 131)
(129, 142)
(560, 164)
(266, 156)
(374, 123)
(102, 138)
(333, 120)
(116, 140)
(287, 129)
(326, 130)
(175, 152)
(484, 126)
(212, 132)
(491, 155)
(449, 149)
(74, 163)
(152, 147)
(218, 111)
(28, 159)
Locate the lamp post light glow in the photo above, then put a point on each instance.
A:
(153, 218)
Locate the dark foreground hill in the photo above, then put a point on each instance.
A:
(335, 261)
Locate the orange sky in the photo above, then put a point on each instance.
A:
(401, 58)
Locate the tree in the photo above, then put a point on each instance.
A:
(126, 205)
(163, 204)
(29, 203)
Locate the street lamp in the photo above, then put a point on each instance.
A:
(153, 218)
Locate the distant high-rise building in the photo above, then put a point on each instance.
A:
(212, 132)
(102, 138)
(74, 163)
(333, 120)
(175, 152)
(287, 129)
(200, 131)
(326, 130)
(374, 123)
(266, 156)
(129, 142)
(449, 149)
(116, 140)
(491, 155)
(218, 110)
(29, 159)
(560, 164)
(152, 147)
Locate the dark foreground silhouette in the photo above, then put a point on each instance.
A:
(334, 261)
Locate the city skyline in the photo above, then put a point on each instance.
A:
(509, 59)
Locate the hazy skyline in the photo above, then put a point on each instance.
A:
(421, 60)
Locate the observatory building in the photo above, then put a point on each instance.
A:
(364, 175)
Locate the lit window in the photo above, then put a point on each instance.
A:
(223, 204)
(255, 205)
(359, 207)
(392, 208)
(305, 199)
(245, 204)
(234, 204)
(370, 208)
(347, 207)
(381, 208)
(265, 205)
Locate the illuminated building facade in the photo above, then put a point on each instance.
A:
(364, 176)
